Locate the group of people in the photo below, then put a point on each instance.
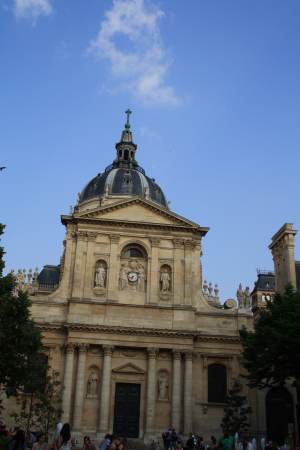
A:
(175, 441)
(17, 439)
(62, 439)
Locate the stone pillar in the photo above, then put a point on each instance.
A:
(80, 386)
(283, 251)
(105, 388)
(178, 271)
(80, 260)
(90, 266)
(151, 390)
(188, 245)
(176, 390)
(154, 271)
(188, 386)
(68, 378)
(114, 268)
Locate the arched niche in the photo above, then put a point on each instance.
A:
(100, 274)
(165, 279)
(163, 385)
(93, 382)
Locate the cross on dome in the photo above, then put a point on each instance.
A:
(127, 124)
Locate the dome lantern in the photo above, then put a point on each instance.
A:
(124, 177)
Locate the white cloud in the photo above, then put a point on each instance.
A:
(129, 38)
(32, 8)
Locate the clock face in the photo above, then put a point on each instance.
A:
(132, 276)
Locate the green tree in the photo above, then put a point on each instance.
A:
(271, 352)
(236, 410)
(41, 408)
(20, 339)
(48, 406)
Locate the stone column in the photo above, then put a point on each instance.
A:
(105, 388)
(188, 245)
(188, 385)
(68, 378)
(178, 271)
(113, 275)
(80, 386)
(154, 282)
(151, 390)
(176, 390)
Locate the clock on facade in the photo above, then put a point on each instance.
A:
(132, 277)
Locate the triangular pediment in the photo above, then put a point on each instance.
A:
(138, 210)
(128, 368)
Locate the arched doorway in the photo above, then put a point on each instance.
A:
(279, 414)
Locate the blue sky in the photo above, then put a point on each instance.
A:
(214, 89)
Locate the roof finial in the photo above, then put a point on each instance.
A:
(127, 124)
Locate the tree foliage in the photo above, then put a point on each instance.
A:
(20, 339)
(236, 410)
(272, 351)
(40, 409)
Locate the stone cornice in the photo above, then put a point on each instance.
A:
(193, 334)
(131, 224)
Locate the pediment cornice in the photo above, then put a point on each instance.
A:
(97, 215)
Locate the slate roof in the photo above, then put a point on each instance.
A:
(265, 281)
(49, 277)
(123, 181)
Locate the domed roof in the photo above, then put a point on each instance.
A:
(124, 176)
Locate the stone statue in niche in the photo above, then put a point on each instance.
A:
(92, 384)
(100, 276)
(123, 276)
(165, 280)
(163, 386)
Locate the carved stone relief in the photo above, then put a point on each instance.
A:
(132, 275)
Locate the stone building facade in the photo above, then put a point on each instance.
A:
(141, 342)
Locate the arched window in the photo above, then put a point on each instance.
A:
(126, 155)
(217, 383)
(133, 251)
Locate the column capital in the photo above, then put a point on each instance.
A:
(114, 238)
(189, 244)
(152, 352)
(188, 355)
(83, 347)
(178, 243)
(176, 354)
(91, 235)
(81, 235)
(70, 346)
(107, 350)
(155, 242)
